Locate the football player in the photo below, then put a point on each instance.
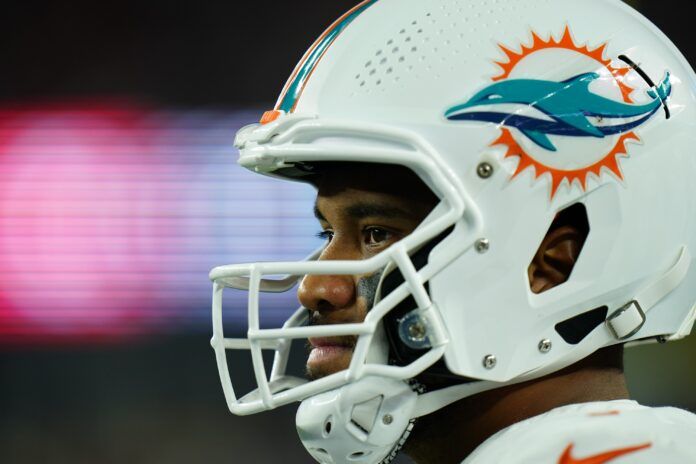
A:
(506, 193)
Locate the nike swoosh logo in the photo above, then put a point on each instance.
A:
(567, 457)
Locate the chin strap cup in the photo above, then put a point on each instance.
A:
(365, 422)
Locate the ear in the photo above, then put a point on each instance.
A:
(555, 258)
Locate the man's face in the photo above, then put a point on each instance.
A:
(362, 211)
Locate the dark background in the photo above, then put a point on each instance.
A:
(221, 54)
(158, 399)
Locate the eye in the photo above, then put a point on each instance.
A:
(376, 236)
(325, 235)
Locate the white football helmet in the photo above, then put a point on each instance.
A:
(511, 112)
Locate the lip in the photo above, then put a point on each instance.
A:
(328, 342)
(328, 353)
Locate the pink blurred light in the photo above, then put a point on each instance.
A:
(81, 205)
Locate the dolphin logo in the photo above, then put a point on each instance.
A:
(568, 104)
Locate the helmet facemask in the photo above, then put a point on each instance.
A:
(369, 356)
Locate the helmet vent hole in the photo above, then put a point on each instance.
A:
(404, 40)
(358, 455)
(575, 329)
(327, 427)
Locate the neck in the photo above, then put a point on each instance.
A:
(449, 435)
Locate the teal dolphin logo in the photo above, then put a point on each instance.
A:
(568, 104)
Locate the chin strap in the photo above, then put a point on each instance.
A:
(623, 323)
(432, 401)
(370, 420)
(626, 321)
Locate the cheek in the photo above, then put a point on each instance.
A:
(366, 288)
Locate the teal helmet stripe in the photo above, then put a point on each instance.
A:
(294, 90)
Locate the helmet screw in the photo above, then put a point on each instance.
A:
(484, 170)
(545, 345)
(416, 331)
(413, 330)
(482, 245)
(387, 419)
(489, 361)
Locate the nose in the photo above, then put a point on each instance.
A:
(328, 292)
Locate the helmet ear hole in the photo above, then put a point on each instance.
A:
(559, 251)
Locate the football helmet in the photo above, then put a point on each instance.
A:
(510, 112)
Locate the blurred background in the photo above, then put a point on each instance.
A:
(119, 191)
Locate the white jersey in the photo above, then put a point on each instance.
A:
(612, 432)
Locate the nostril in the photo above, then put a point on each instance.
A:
(323, 306)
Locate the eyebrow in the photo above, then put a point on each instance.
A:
(366, 210)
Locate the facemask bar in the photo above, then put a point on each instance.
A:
(281, 389)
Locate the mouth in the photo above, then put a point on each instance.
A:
(329, 355)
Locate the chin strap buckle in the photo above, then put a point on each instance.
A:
(626, 321)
